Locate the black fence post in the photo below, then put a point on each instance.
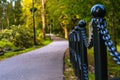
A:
(77, 35)
(100, 52)
(74, 52)
(83, 51)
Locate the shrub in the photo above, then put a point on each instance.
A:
(6, 46)
(5, 35)
(20, 36)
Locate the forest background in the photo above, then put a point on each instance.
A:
(56, 16)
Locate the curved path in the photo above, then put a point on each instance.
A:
(42, 64)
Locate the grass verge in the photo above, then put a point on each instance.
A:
(68, 70)
(10, 54)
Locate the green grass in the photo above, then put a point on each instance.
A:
(113, 68)
(91, 76)
(10, 54)
(68, 69)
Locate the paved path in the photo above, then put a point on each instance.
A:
(42, 64)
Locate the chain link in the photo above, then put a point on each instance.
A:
(85, 72)
(101, 24)
(88, 42)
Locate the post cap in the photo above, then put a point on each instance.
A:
(76, 28)
(98, 10)
(73, 31)
(81, 23)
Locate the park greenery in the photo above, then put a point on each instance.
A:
(57, 16)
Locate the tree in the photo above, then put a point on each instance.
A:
(11, 14)
(64, 14)
(43, 17)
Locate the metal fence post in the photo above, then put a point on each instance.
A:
(83, 51)
(74, 58)
(100, 52)
(79, 74)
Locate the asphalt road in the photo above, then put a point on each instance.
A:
(42, 64)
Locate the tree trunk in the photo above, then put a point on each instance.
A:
(65, 32)
(43, 18)
(8, 23)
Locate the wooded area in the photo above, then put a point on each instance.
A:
(19, 19)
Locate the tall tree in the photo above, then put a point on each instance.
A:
(43, 17)
(64, 14)
(11, 14)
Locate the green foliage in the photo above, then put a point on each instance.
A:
(5, 35)
(3, 1)
(58, 12)
(70, 11)
(10, 15)
(6, 46)
(20, 36)
(91, 76)
(27, 15)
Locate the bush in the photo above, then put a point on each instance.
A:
(20, 36)
(5, 35)
(6, 46)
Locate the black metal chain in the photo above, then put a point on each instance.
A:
(88, 42)
(101, 24)
(85, 72)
